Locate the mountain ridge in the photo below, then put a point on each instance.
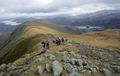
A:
(106, 19)
(95, 54)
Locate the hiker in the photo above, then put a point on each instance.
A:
(62, 40)
(59, 41)
(54, 41)
(47, 45)
(43, 43)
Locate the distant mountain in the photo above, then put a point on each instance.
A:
(105, 19)
(7, 28)
(8, 25)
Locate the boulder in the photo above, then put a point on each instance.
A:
(14, 73)
(66, 59)
(51, 57)
(75, 69)
(78, 56)
(39, 60)
(68, 67)
(49, 67)
(2, 74)
(80, 68)
(88, 67)
(41, 69)
(116, 68)
(65, 53)
(73, 54)
(74, 74)
(73, 61)
(79, 62)
(107, 72)
(3, 67)
(83, 56)
(12, 67)
(57, 68)
(85, 64)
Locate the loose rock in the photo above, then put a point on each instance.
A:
(41, 69)
(48, 68)
(57, 68)
(3, 67)
(68, 67)
(2, 74)
(75, 74)
(39, 60)
(107, 72)
(12, 67)
(51, 57)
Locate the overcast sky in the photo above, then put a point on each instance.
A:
(19, 8)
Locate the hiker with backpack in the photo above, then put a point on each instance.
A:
(45, 44)
(62, 40)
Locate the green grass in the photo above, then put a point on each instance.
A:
(58, 56)
(20, 49)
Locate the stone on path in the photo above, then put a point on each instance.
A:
(57, 68)
(41, 69)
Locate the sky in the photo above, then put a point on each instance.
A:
(30, 8)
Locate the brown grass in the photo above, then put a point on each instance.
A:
(106, 39)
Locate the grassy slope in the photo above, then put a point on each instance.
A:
(3, 37)
(24, 38)
(99, 39)
(27, 37)
(105, 39)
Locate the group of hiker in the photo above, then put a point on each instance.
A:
(45, 44)
(58, 41)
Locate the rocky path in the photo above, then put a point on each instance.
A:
(87, 61)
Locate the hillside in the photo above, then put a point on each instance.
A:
(3, 37)
(90, 54)
(22, 37)
(7, 28)
(105, 39)
(28, 34)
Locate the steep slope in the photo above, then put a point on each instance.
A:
(7, 28)
(3, 37)
(27, 35)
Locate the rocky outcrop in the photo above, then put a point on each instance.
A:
(107, 72)
(3, 67)
(41, 69)
(57, 68)
(49, 68)
(69, 64)
(68, 67)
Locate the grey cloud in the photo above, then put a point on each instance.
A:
(14, 7)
